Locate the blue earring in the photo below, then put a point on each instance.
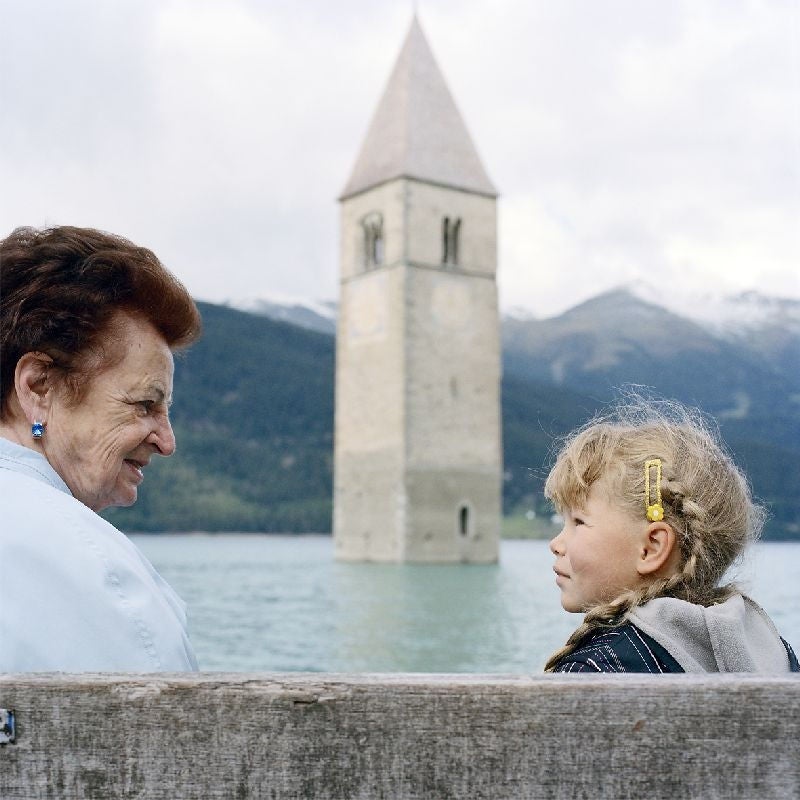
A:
(37, 430)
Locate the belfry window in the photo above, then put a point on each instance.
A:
(372, 225)
(451, 230)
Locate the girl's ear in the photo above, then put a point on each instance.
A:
(659, 551)
(33, 385)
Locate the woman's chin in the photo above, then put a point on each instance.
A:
(128, 500)
(119, 500)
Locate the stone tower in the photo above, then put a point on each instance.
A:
(417, 464)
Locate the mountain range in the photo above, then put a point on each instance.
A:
(253, 406)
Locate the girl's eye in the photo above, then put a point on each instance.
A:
(578, 521)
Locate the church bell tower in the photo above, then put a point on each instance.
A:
(417, 451)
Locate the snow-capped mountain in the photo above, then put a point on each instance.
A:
(731, 316)
(316, 315)
(727, 316)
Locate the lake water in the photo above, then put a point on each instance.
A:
(281, 603)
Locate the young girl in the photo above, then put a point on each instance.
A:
(655, 512)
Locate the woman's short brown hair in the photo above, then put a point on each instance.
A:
(61, 287)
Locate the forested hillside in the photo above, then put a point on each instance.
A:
(253, 416)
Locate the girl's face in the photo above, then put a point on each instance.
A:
(597, 552)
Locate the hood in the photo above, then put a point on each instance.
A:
(734, 636)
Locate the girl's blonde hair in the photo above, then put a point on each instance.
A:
(706, 498)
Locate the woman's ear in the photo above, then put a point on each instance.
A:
(33, 385)
(659, 551)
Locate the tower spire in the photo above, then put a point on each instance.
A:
(417, 130)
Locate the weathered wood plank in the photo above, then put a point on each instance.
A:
(401, 736)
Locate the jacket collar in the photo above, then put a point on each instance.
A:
(16, 458)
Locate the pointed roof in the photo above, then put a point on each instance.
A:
(417, 130)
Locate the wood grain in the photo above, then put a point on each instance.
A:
(401, 736)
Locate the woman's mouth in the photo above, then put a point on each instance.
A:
(135, 467)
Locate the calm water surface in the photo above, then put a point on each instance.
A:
(281, 603)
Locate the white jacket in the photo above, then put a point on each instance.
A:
(75, 594)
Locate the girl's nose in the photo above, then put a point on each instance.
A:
(556, 547)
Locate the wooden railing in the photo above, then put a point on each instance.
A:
(401, 736)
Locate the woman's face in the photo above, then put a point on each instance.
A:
(101, 445)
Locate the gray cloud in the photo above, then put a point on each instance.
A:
(628, 138)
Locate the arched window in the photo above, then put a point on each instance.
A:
(463, 520)
(372, 226)
(451, 231)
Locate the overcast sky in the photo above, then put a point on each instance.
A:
(632, 141)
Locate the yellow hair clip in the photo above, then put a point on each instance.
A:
(655, 511)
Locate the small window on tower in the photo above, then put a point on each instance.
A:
(451, 230)
(372, 226)
(463, 520)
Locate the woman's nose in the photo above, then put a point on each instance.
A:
(163, 437)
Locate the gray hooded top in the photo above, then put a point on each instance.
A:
(734, 636)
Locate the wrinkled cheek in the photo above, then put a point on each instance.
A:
(107, 482)
(80, 477)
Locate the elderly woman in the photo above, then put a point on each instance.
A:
(88, 322)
